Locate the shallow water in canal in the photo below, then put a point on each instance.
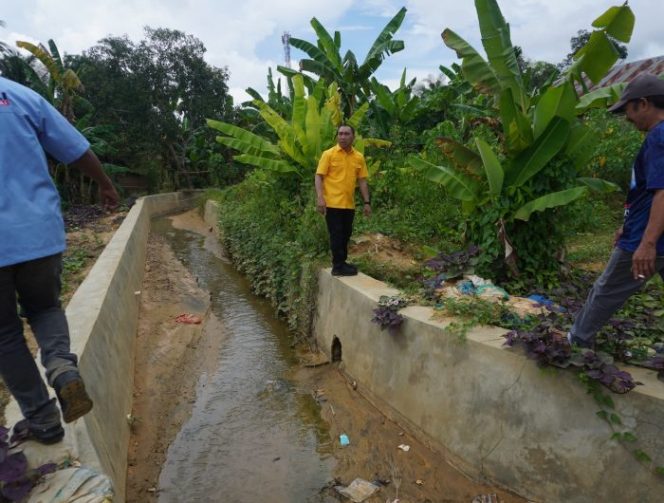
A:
(252, 435)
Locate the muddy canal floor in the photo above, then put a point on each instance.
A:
(171, 358)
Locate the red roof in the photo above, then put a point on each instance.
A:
(627, 71)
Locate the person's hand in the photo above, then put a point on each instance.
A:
(108, 197)
(320, 205)
(617, 235)
(643, 261)
(367, 210)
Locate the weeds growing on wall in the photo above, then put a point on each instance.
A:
(278, 242)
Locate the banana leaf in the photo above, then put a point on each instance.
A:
(474, 67)
(581, 145)
(242, 146)
(311, 50)
(463, 159)
(245, 136)
(383, 96)
(275, 165)
(312, 148)
(599, 98)
(458, 185)
(376, 142)
(599, 185)
(333, 105)
(289, 73)
(492, 168)
(499, 50)
(516, 126)
(386, 35)
(618, 22)
(327, 44)
(55, 54)
(43, 56)
(321, 69)
(254, 94)
(370, 65)
(299, 110)
(552, 200)
(556, 101)
(355, 119)
(286, 133)
(599, 55)
(532, 160)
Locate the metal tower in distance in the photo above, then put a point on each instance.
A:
(285, 40)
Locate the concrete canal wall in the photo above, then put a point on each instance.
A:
(103, 317)
(492, 410)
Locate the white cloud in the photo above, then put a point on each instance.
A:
(246, 36)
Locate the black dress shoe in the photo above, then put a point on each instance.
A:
(344, 270)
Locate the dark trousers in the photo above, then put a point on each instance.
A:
(340, 227)
(608, 294)
(36, 286)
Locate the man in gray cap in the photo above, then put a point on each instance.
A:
(638, 252)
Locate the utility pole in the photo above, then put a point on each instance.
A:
(285, 40)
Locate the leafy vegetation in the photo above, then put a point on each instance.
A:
(353, 78)
(508, 189)
(514, 157)
(386, 315)
(16, 480)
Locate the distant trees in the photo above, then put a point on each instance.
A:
(157, 94)
(142, 105)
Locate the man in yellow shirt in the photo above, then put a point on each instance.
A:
(340, 169)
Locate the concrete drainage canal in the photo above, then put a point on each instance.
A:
(225, 410)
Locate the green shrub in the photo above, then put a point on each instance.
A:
(616, 146)
(276, 241)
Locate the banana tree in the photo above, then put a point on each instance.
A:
(508, 190)
(63, 83)
(301, 140)
(275, 98)
(352, 77)
(393, 107)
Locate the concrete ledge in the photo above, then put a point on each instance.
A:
(103, 317)
(492, 410)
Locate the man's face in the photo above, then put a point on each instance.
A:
(345, 137)
(637, 112)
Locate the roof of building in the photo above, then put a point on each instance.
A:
(627, 71)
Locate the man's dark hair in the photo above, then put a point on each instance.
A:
(657, 101)
(352, 129)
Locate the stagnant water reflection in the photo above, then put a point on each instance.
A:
(252, 435)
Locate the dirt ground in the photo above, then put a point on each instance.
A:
(416, 475)
(168, 361)
(384, 250)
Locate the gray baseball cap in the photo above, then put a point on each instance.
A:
(642, 86)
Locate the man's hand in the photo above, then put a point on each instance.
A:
(617, 235)
(320, 205)
(89, 164)
(108, 197)
(367, 210)
(643, 261)
(645, 256)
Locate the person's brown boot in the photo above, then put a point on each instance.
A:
(74, 400)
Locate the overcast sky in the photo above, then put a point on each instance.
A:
(245, 35)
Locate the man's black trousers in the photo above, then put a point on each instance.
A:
(340, 227)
